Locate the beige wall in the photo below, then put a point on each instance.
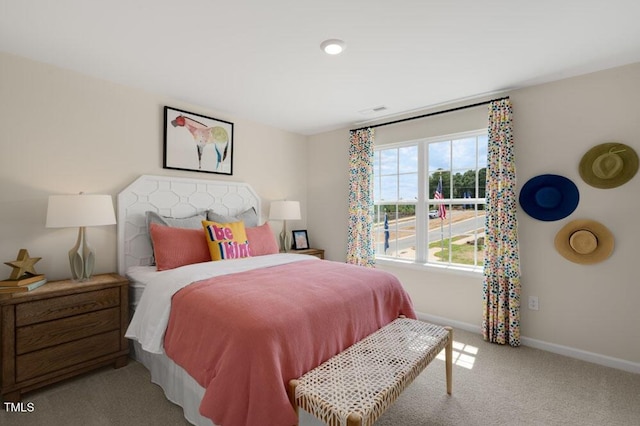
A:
(62, 132)
(584, 310)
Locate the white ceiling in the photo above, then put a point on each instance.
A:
(261, 60)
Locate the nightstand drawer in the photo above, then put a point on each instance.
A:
(52, 359)
(65, 306)
(50, 333)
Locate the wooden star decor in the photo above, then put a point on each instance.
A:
(24, 265)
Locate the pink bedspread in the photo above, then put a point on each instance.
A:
(244, 336)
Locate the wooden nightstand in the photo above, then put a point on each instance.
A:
(311, 251)
(60, 330)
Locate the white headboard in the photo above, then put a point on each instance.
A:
(175, 197)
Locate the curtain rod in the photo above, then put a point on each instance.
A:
(430, 114)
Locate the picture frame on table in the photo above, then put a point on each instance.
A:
(197, 143)
(300, 239)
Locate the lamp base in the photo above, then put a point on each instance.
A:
(285, 240)
(81, 258)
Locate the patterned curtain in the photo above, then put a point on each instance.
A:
(501, 287)
(360, 235)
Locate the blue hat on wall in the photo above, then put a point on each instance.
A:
(549, 197)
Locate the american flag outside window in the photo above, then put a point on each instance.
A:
(442, 211)
(386, 232)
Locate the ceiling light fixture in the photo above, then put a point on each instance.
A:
(332, 46)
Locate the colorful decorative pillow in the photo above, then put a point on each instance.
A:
(175, 247)
(261, 240)
(226, 240)
(249, 217)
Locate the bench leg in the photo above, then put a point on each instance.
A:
(449, 360)
(354, 420)
(293, 383)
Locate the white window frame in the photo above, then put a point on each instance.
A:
(425, 199)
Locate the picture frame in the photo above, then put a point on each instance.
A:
(300, 239)
(197, 143)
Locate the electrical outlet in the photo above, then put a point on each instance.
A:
(533, 303)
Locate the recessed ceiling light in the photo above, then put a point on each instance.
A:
(332, 46)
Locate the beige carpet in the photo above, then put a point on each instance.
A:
(493, 385)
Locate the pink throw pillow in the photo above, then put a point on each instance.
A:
(174, 247)
(261, 240)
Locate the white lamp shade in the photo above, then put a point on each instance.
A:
(66, 211)
(284, 210)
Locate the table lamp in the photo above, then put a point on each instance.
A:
(65, 211)
(284, 210)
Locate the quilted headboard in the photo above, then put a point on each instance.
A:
(175, 197)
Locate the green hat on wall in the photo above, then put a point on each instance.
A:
(608, 165)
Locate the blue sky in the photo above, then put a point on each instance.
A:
(458, 155)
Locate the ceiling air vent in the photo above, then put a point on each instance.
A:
(373, 110)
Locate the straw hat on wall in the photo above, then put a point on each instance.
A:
(584, 241)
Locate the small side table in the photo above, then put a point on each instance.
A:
(319, 253)
(60, 330)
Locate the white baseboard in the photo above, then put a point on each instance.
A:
(607, 361)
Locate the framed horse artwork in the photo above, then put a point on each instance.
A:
(197, 143)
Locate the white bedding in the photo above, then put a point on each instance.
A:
(151, 316)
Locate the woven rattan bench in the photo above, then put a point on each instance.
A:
(356, 386)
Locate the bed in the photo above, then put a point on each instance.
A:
(223, 338)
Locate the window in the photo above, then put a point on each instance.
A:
(414, 222)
